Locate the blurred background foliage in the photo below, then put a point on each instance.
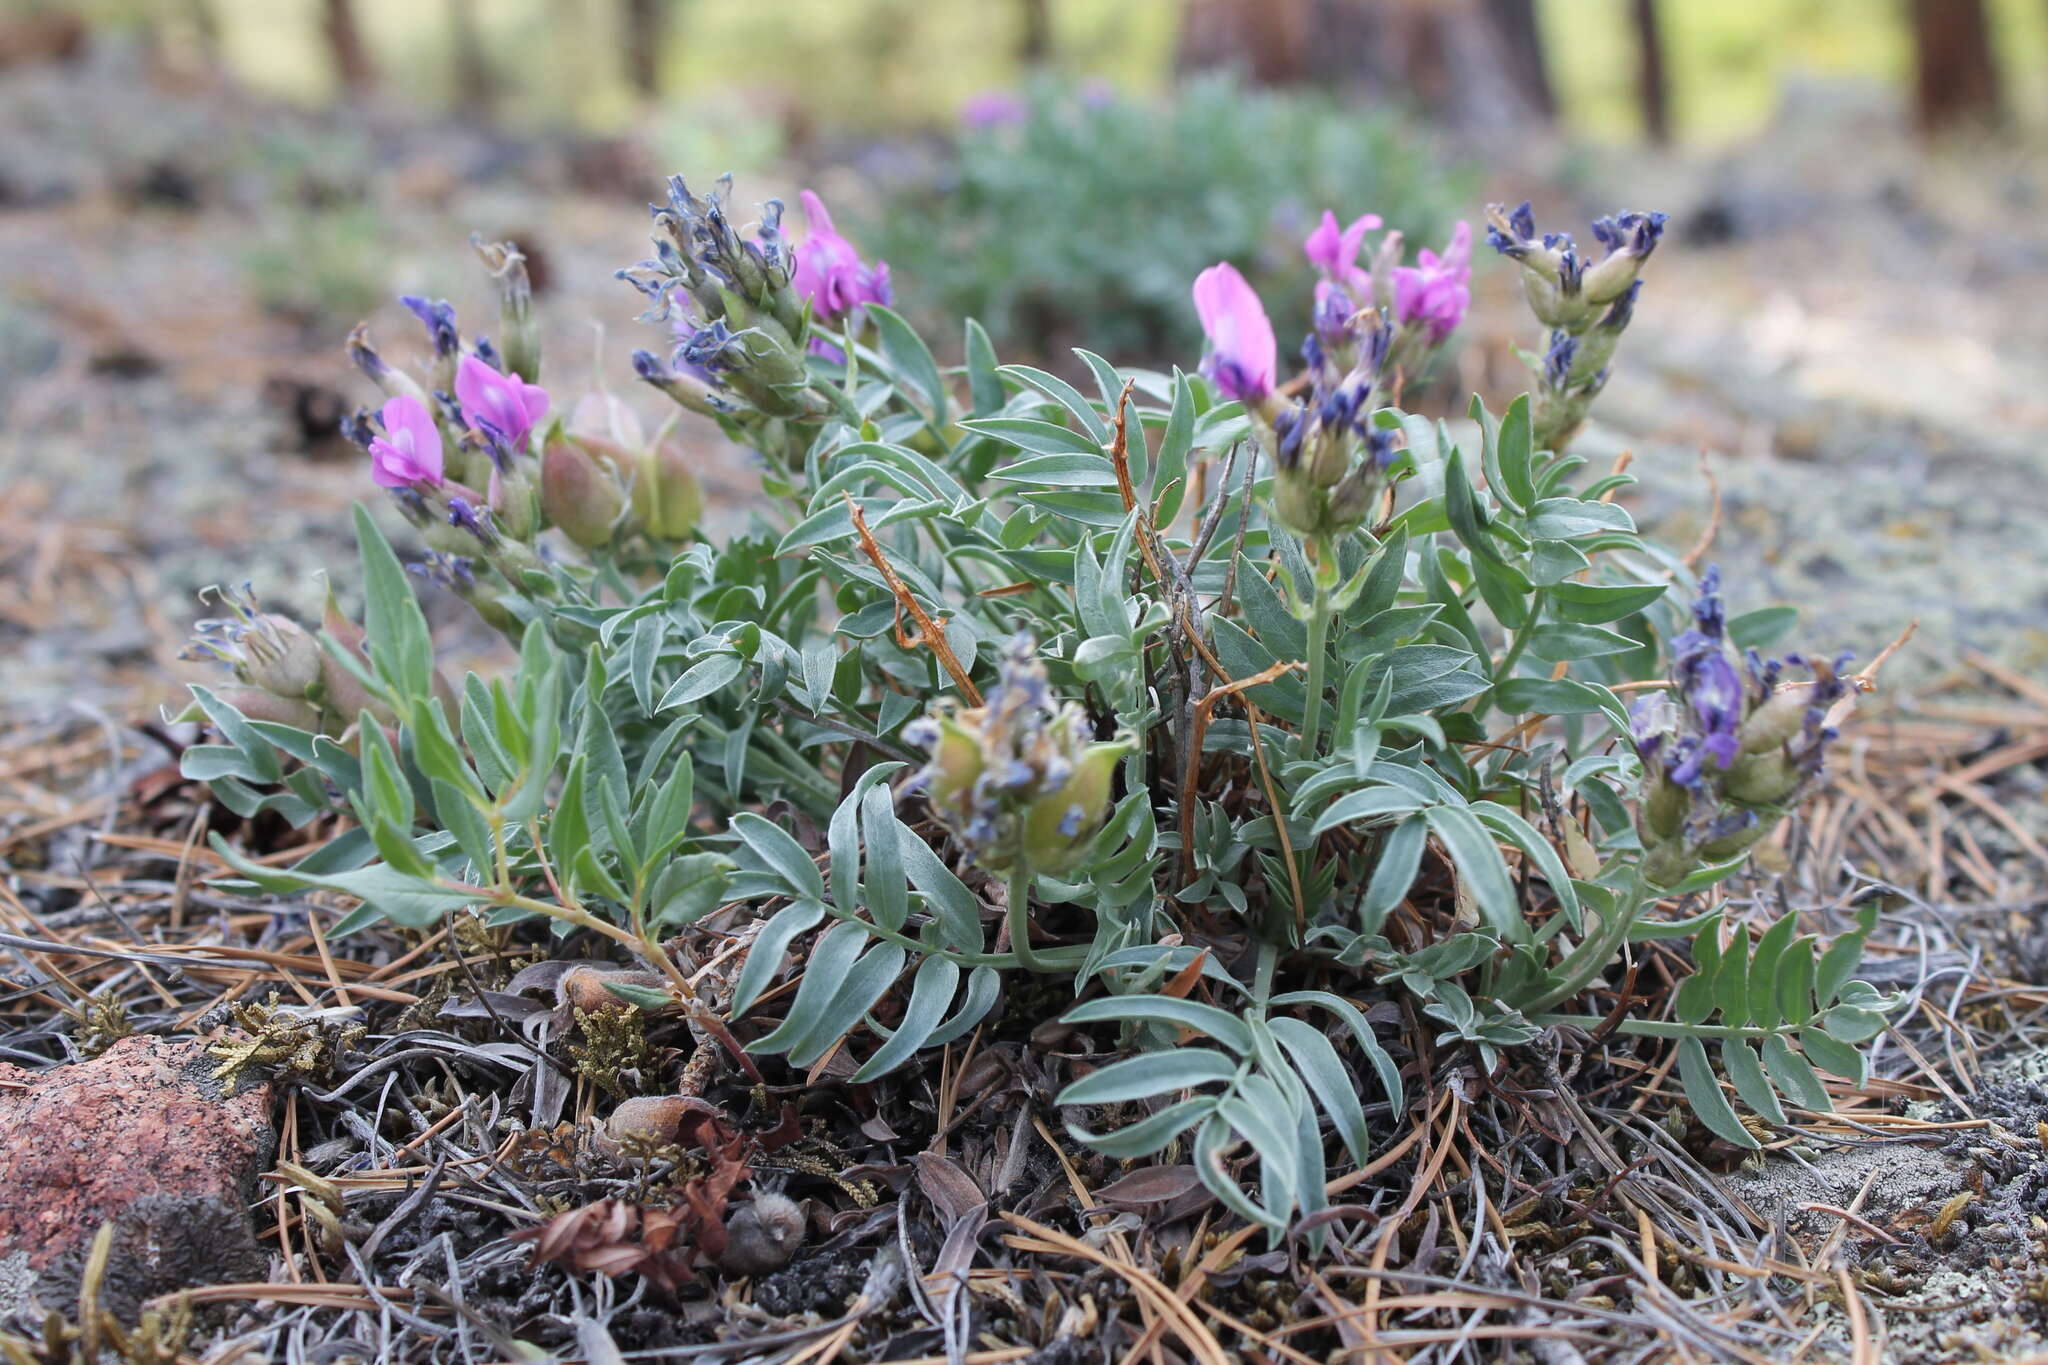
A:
(1057, 168)
(870, 66)
(1081, 221)
(1137, 140)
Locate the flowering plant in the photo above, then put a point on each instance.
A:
(1242, 704)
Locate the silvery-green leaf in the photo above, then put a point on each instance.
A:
(1148, 1074)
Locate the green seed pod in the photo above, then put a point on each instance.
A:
(1664, 807)
(667, 499)
(1775, 722)
(1669, 863)
(1059, 825)
(576, 494)
(956, 764)
(1298, 505)
(1765, 779)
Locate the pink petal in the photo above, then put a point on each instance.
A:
(1239, 331)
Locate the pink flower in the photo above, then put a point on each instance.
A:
(1243, 357)
(829, 271)
(1334, 252)
(1434, 293)
(409, 452)
(502, 406)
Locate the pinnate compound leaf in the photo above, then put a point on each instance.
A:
(1703, 1093)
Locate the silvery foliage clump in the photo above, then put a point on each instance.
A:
(1009, 677)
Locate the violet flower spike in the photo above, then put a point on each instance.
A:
(498, 404)
(829, 271)
(1244, 359)
(408, 454)
(1435, 293)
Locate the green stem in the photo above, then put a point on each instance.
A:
(1505, 669)
(1318, 646)
(649, 950)
(1018, 914)
(1584, 963)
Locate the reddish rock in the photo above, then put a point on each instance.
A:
(141, 1135)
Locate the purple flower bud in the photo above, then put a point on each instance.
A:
(1243, 356)
(711, 349)
(1710, 686)
(1709, 613)
(1631, 231)
(1557, 361)
(1290, 425)
(408, 455)
(1332, 321)
(1623, 310)
(364, 356)
(357, 427)
(450, 571)
(438, 316)
(498, 404)
(1571, 271)
(475, 520)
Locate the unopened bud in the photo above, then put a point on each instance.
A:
(576, 495)
(520, 338)
(515, 507)
(394, 382)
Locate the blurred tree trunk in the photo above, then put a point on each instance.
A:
(476, 89)
(1034, 41)
(1955, 75)
(352, 65)
(1447, 57)
(1522, 45)
(1652, 89)
(646, 33)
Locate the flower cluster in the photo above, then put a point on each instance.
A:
(1329, 459)
(743, 308)
(1732, 749)
(478, 459)
(1585, 304)
(1016, 779)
